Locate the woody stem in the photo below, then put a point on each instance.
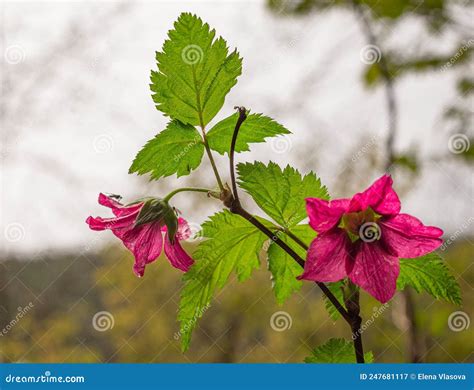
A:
(235, 207)
(353, 308)
(231, 200)
(351, 315)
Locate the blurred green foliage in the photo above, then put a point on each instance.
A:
(399, 66)
(434, 12)
(379, 22)
(67, 290)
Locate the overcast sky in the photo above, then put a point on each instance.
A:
(76, 108)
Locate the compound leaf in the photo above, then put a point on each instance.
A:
(195, 72)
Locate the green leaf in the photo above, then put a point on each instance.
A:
(177, 149)
(195, 72)
(429, 273)
(254, 129)
(281, 194)
(233, 244)
(283, 267)
(336, 351)
(336, 289)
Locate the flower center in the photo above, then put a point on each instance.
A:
(361, 225)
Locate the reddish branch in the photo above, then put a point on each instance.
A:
(232, 201)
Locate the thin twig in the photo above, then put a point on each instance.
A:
(240, 120)
(186, 189)
(353, 308)
(239, 210)
(296, 239)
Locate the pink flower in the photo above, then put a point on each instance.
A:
(145, 240)
(363, 238)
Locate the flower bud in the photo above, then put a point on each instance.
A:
(157, 210)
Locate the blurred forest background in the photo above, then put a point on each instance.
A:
(365, 86)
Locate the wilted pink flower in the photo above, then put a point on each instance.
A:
(145, 240)
(363, 238)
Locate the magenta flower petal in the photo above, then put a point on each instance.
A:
(108, 201)
(145, 242)
(328, 257)
(184, 231)
(380, 196)
(324, 215)
(406, 236)
(370, 260)
(125, 216)
(177, 255)
(117, 208)
(175, 252)
(375, 270)
(124, 221)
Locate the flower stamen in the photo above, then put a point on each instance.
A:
(361, 225)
